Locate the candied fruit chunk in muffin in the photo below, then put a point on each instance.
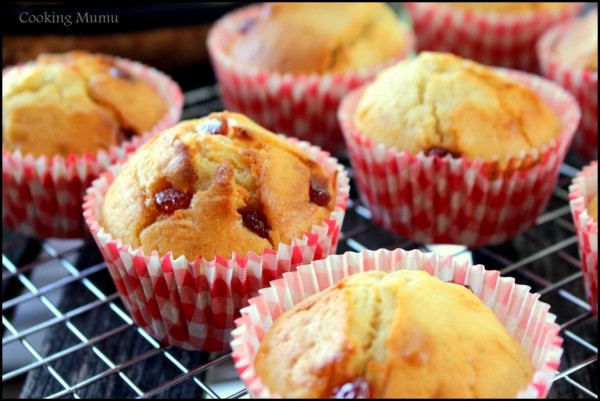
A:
(213, 186)
(404, 334)
(74, 103)
(442, 104)
(305, 38)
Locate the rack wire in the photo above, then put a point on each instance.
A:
(83, 344)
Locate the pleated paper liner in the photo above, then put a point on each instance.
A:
(490, 38)
(583, 189)
(519, 310)
(42, 196)
(582, 83)
(193, 304)
(430, 199)
(303, 106)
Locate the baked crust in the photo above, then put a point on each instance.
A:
(305, 38)
(441, 101)
(578, 47)
(74, 103)
(226, 166)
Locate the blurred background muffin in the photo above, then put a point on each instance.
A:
(498, 34)
(67, 117)
(75, 103)
(568, 55)
(583, 200)
(318, 38)
(287, 65)
(579, 46)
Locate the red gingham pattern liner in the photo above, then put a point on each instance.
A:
(303, 106)
(582, 83)
(444, 200)
(489, 38)
(519, 311)
(43, 196)
(584, 187)
(193, 304)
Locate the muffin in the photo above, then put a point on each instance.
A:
(446, 150)
(287, 65)
(75, 103)
(204, 215)
(568, 55)
(220, 171)
(449, 105)
(66, 117)
(395, 324)
(579, 46)
(497, 34)
(583, 197)
(391, 330)
(318, 38)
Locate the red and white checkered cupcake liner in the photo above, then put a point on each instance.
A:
(490, 38)
(43, 196)
(519, 310)
(583, 189)
(303, 106)
(193, 304)
(582, 83)
(430, 199)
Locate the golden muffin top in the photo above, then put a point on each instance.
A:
(213, 186)
(305, 38)
(404, 334)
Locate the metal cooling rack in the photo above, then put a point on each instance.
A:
(81, 343)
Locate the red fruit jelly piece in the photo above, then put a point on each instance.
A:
(256, 222)
(213, 126)
(171, 199)
(359, 388)
(319, 190)
(441, 152)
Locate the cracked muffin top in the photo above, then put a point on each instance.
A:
(213, 186)
(74, 103)
(508, 7)
(305, 38)
(578, 47)
(404, 334)
(439, 103)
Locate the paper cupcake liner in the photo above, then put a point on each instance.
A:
(43, 196)
(519, 310)
(489, 38)
(584, 187)
(429, 199)
(303, 106)
(582, 83)
(193, 304)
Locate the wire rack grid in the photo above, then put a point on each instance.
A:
(83, 344)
